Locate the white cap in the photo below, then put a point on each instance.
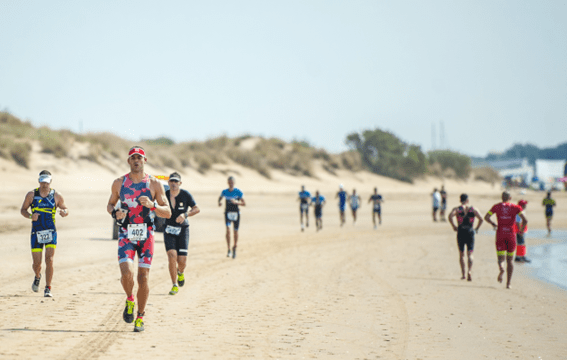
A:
(45, 178)
(341, 186)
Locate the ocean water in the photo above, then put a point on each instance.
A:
(549, 261)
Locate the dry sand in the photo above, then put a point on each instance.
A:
(342, 293)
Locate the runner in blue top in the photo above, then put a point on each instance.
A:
(354, 200)
(342, 195)
(44, 202)
(318, 202)
(376, 206)
(234, 198)
(304, 200)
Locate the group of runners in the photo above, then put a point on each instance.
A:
(318, 201)
(143, 197)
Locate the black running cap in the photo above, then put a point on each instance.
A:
(464, 197)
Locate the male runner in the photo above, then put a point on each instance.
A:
(436, 203)
(443, 194)
(234, 198)
(354, 200)
(342, 195)
(176, 234)
(140, 195)
(376, 207)
(44, 202)
(318, 202)
(549, 203)
(520, 233)
(465, 234)
(505, 237)
(304, 200)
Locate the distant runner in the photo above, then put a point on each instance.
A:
(140, 196)
(465, 232)
(234, 198)
(176, 234)
(520, 236)
(44, 202)
(342, 195)
(354, 201)
(505, 237)
(436, 203)
(304, 201)
(443, 194)
(318, 202)
(549, 203)
(376, 207)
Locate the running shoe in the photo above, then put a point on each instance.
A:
(526, 260)
(180, 279)
(128, 314)
(174, 290)
(228, 253)
(47, 292)
(519, 259)
(139, 325)
(233, 253)
(35, 284)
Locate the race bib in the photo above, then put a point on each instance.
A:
(304, 207)
(137, 232)
(232, 216)
(173, 230)
(44, 236)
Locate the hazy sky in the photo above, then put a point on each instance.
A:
(495, 72)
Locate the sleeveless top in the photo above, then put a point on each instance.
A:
(129, 195)
(465, 220)
(45, 207)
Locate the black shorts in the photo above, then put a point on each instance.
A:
(520, 239)
(232, 217)
(465, 236)
(304, 208)
(180, 242)
(318, 212)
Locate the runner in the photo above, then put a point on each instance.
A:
(342, 195)
(505, 237)
(140, 196)
(377, 201)
(465, 233)
(304, 200)
(520, 233)
(549, 203)
(318, 202)
(443, 194)
(436, 202)
(354, 204)
(234, 199)
(176, 234)
(44, 202)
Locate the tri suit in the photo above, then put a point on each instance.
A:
(376, 200)
(318, 203)
(176, 236)
(136, 233)
(342, 200)
(505, 235)
(549, 203)
(43, 230)
(304, 197)
(465, 231)
(231, 212)
(354, 202)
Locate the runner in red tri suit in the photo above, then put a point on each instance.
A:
(505, 236)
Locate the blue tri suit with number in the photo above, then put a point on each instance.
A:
(304, 197)
(43, 230)
(231, 212)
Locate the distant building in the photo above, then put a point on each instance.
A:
(548, 171)
(518, 169)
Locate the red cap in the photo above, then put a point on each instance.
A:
(138, 151)
(523, 203)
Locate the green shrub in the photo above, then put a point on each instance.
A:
(486, 174)
(52, 142)
(460, 164)
(20, 152)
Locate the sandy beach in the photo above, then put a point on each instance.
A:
(340, 293)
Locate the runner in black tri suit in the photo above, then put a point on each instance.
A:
(233, 198)
(318, 202)
(465, 232)
(44, 202)
(176, 234)
(304, 200)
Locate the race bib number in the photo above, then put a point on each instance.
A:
(137, 232)
(173, 230)
(304, 207)
(232, 216)
(44, 236)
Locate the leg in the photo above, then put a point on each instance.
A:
(228, 237)
(470, 263)
(509, 269)
(374, 218)
(36, 265)
(181, 263)
(172, 260)
(127, 278)
(49, 253)
(462, 262)
(379, 217)
(501, 259)
(549, 224)
(235, 234)
(143, 288)
(307, 218)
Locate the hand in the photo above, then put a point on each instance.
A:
(455, 228)
(145, 201)
(234, 201)
(220, 203)
(120, 214)
(180, 219)
(494, 227)
(476, 230)
(63, 212)
(35, 216)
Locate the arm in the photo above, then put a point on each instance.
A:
(241, 202)
(451, 216)
(60, 202)
(114, 197)
(162, 208)
(220, 200)
(480, 220)
(487, 219)
(524, 221)
(26, 205)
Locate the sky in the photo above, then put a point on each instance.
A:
(490, 73)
